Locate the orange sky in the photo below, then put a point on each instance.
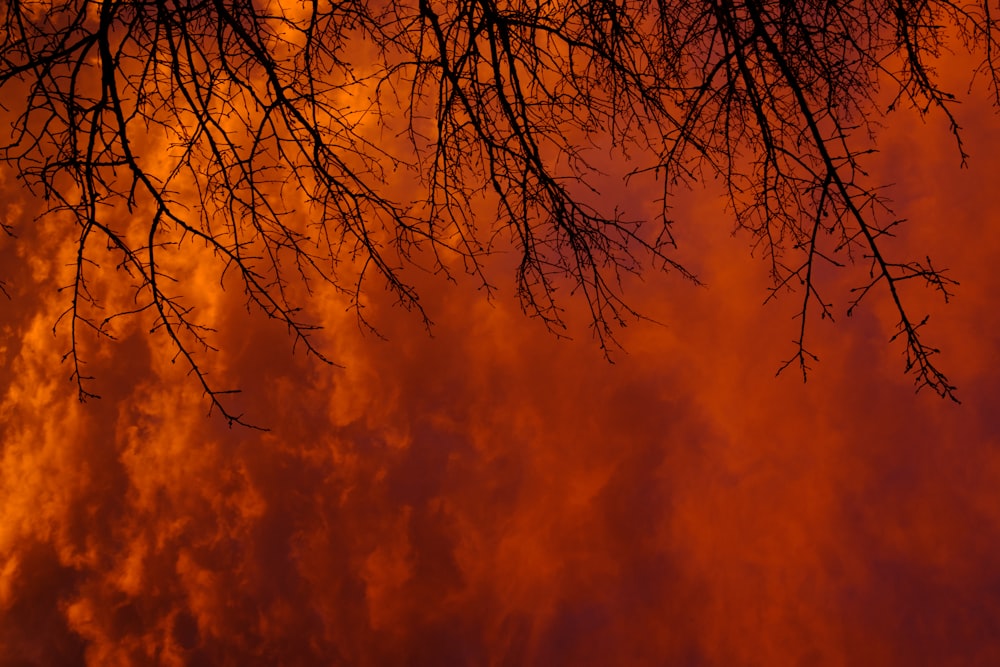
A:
(494, 496)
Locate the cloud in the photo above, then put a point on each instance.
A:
(491, 495)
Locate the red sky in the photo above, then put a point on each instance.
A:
(494, 496)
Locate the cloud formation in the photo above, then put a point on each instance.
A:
(491, 495)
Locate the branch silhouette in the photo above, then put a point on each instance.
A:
(344, 143)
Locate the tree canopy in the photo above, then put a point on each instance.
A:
(347, 143)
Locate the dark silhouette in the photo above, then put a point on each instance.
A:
(289, 141)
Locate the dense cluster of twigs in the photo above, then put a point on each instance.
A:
(289, 138)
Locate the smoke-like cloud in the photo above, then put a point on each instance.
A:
(491, 495)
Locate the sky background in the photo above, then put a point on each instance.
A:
(491, 495)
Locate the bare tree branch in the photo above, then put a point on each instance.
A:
(347, 144)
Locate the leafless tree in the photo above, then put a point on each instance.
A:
(247, 128)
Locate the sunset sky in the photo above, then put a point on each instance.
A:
(490, 494)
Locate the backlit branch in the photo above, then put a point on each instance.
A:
(346, 144)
